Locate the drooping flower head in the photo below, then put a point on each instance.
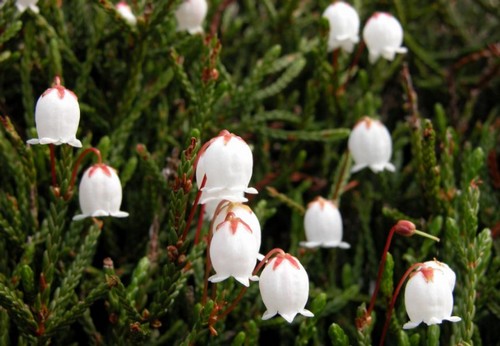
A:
(126, 12)
(323, 225)
(344, 26)
(233, 249)
(244, 213)
(284, 288)
(23, 5)
(370, 145)
(383, 36)
(227, 163)
(429, 295)
(57, 114)
(100, 193)
(190, 15)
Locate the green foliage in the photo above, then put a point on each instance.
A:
(150, 96)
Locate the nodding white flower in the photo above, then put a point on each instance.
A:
(323, 225)
(23, 5)
(244, 213)
(190, 15)
(344, 26)
(227, 163)
(100, 193)
(370, 145)
(126, 12)
(383, 36)
(284, 288)
(57, 115)
(429, 295)
(233, 250)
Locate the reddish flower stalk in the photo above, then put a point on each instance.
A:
(53, 165)
(199, 225)
(393, 300)
(355, 62)
(193, 209)
(84, 153)
(402, 227)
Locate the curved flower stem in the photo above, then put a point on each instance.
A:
(355, 62)
(380, 272)
(53, 164)
(193, 209)
(393, 300)
(335, 65)
(84, 153)
(199, 225)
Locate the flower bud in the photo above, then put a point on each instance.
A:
(383, 36)
(370, 145)
(233, 250)
(57, 115)
(323, 225)
(100, 193)
(284, 288)
(344, 26)
(405, 228)
(126, 13)
(429, 295)
(227, 163)
(190, 15)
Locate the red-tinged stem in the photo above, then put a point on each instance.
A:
(255, 271)
(380, 271)
(393, 300)
(84, 153)
(53, 164)
(354, 63)
(199, 225)
(193, 209)
(335, 65)
(208, 263)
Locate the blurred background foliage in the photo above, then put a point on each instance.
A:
(262, 71)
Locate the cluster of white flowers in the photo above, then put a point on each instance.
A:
(382, 34)
(223, 171)
(57, 115)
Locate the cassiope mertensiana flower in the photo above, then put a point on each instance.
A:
(233, 250)
(57, 114)
(227, 163)
(344, 26)
(429, 295)
(383, 36)
(370, 145)
(190, 15)
(100, 193)
(284, 288)
(323, 225)
(23, 5)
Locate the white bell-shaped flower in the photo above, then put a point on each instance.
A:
(284, 288)
(344, 26)
(126, 13)
(445, 269)
(233, 250)
(23, 5)
(383, 36)
(100, 193)
(370, 145)
(323, 225)
(227, 163)
(429, 296)
(244, 213)
(57, 115)
(190, 15)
